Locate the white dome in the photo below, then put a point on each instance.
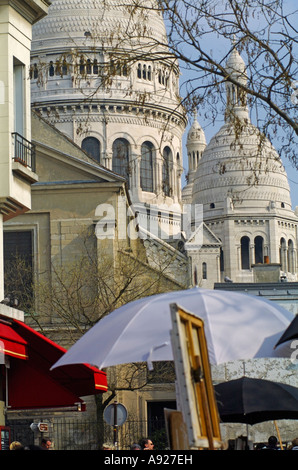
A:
(105, 32)
(239, 166)
(243, 168)
(235, 66)
(195, 134)
(104, 75)
(79, 23)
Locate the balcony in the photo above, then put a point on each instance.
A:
(24, 151)
(24, 158)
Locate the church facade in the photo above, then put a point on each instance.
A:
(125, 113)
(107, 123)
(241, 183)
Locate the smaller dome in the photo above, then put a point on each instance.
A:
(235, 66)
(196, 134)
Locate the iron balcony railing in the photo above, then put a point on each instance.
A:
(24, 151)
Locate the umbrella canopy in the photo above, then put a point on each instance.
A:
(290, 333)
(237, 326)
(251, 401)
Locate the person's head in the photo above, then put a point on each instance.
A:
(135, 447)
(46, 443)
(15, 445)
(272, 441)
(295, 442)
(108, 446)
(147, 444)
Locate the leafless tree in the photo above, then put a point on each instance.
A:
(201, 34)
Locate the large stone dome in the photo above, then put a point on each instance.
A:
(94, 41)
(102, 73)
(79, 23)
(243, 168)
(239, 168)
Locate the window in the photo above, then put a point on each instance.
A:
(82, 65)
(163, 77)
(139, 71)
(19, 97)
(245, 242)
(290, 256)
(259, 244)
(156, 417)
(221, 260)
(34, 72)
(204, 270)
(144, 72)
(95, 67)
(117, 67)
(88, 67)
(121, 158)
(167, 156)
(64, 68)
(92, 146)
(146, 169)
(51, 69)
(283, 254)
(18, 266)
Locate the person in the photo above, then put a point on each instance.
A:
(147, 444)
(46, 444)
(15, 445)
(272, 443)
(108, 446)
(294, 445)
(135, 447)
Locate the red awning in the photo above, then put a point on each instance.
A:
(31, 383)
(11, 343)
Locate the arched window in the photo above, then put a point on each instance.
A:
(290, 256)
(259, 250)
(95, 67)
(204, 270)
(64, 68)
(167, 157)
(245, 264)
(35, 71)
(88, 66)
(51, 69)
(82, 65)
(92, 146)
(283, 254)
(139, 71)
(221, 260)
(121, 158)
(146, 168)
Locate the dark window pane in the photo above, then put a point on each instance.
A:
(146, 170)
(120, 162)
(92, 146)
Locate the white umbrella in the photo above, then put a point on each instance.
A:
(237, 326)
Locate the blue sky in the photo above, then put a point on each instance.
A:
(220, 46)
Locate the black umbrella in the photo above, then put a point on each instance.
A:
(252, 401)
(290, 333)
